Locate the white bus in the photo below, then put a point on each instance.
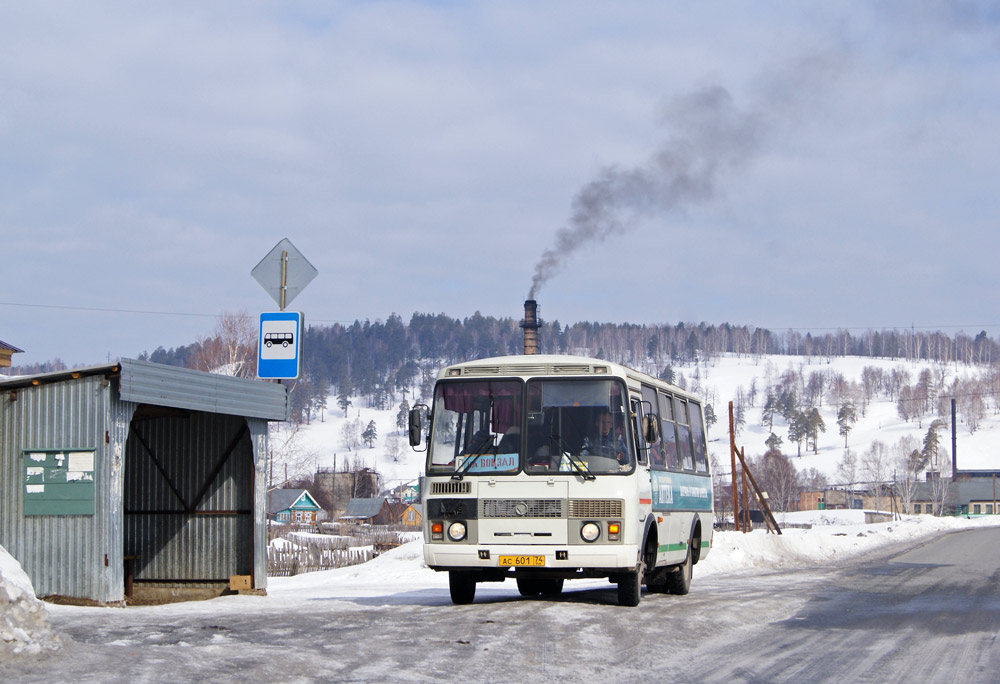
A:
(546, 468)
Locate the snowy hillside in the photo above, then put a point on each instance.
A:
(721, 380)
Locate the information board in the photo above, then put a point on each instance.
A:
(59, 482)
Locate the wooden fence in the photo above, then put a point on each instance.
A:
(337, 546)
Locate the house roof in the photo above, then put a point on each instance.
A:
(283, 499)
(362, 509)
(10, 347)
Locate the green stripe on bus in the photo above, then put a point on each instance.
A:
(663, 548)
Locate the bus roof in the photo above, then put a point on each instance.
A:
(551, 364)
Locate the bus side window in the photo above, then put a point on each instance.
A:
(698, 439)
(683, 434)
(667, 436)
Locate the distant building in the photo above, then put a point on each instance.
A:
(374, 511)
(292, 506)
(339, 487)
(6, 351)
(412, 515)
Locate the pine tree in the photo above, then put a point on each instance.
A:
(343, 401)
(814, 426)
(846, 418)
(370, 434)
(403, 416)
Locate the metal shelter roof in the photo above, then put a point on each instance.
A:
(144, 382)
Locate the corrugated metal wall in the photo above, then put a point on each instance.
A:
(189, 496)
(76, 556)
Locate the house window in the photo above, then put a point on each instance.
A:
(989, 509)
(916, 508)
(409, 515)
(976, 509)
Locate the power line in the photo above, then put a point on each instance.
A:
(141, 311)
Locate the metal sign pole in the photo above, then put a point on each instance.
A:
(284, 278)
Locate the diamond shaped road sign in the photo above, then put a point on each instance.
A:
(284, 272)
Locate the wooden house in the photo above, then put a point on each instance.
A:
(292, 506)
(412, 515)
(6, 351)
(374, 511)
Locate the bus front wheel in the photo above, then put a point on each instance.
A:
(629, 588)
(462, 587)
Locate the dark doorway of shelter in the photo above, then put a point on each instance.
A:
(188, 499)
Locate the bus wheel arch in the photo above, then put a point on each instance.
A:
(695, 541)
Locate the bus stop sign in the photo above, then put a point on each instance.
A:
(279, 345)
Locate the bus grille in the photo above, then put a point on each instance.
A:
(522, 508)
(451, 487)
(595, 508)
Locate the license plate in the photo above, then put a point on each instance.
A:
(522, 561)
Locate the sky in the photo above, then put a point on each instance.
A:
(807, 165)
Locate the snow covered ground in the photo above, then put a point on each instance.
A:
(221, 636)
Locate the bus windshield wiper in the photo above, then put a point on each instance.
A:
(482, 447)
(575, 460)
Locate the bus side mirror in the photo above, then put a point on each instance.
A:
(650, 429)
(416, 426)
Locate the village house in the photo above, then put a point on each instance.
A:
(412, 515)
(373, 511)
(292, 506)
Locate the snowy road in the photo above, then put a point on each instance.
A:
(930, 613)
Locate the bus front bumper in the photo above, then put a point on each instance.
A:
(535, 556)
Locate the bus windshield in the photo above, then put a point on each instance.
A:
(476, 427)
(577, 424)
(503, 426)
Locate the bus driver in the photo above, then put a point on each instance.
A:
(604, 442)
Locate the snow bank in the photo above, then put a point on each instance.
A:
(835, 535)
(24, 623)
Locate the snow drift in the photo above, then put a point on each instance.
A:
(24, 623)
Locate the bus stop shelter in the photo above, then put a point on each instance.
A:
(136, 478)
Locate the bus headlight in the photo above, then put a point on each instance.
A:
(590, 532)
(456, 531)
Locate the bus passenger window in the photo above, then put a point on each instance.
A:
(683, 434)
(668, 437)
(698, 439)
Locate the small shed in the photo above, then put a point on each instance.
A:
(412, 516)
(135, 474)
(6, 351)
(374, 511)
(292, 506)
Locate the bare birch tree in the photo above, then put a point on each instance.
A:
(231, 349)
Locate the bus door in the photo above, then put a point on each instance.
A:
(643, 479)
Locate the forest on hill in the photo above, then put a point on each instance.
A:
(381, 360)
